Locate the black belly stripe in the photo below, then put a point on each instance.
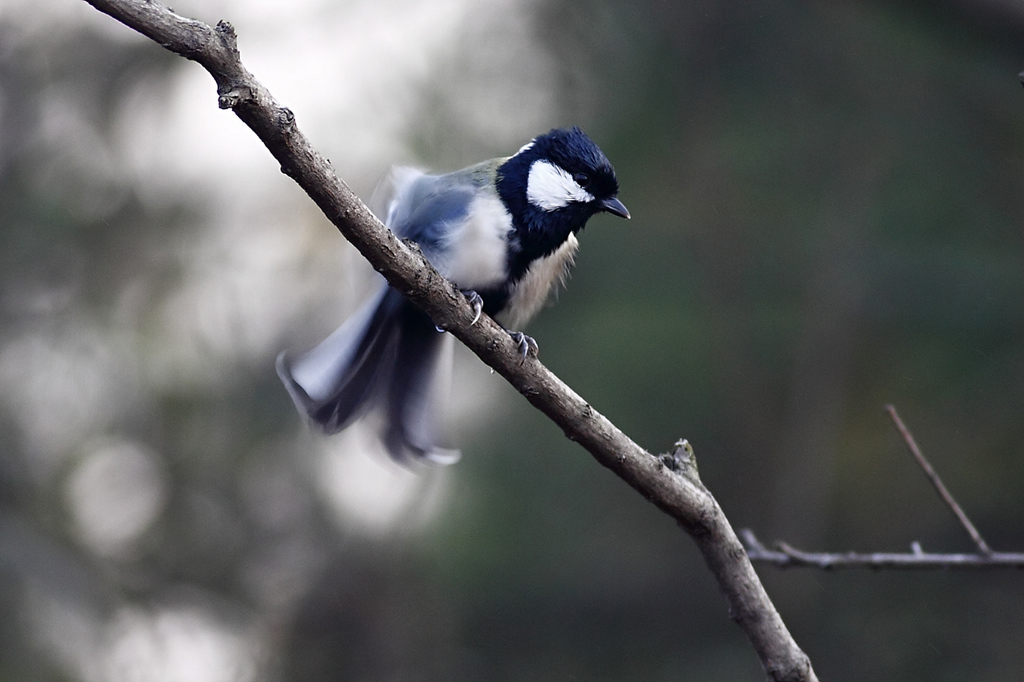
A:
(496, 299)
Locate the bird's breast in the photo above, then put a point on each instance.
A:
(531, 291)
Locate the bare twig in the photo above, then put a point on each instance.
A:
(676, 490)
(908, 438)
(786, 556)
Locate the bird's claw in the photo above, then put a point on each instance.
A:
(477, 303)
(527, 344)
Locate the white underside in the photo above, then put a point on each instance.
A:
(476, 257)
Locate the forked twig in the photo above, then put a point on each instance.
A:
(786, 556)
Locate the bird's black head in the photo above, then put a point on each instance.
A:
(553, 185)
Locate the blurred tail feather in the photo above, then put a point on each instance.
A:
(389, 355)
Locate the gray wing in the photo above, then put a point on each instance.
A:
(424, 206)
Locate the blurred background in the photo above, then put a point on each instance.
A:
(827, 217)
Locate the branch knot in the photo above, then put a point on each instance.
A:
(681, 459)
(228, 38)
(230, 97)
(286, 120)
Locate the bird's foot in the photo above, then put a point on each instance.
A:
(477, 303)
(527, 344)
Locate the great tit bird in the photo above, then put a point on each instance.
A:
(504, 231)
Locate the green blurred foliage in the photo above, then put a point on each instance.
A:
(827, 218)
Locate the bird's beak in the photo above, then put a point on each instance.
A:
(615, 206)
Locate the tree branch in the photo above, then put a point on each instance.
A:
(676, 488)
(787, 556)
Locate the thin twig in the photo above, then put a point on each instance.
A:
(908, 438)
(787, 556)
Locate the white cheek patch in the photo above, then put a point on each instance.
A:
(549, 187)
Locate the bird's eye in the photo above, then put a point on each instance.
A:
(582, 179)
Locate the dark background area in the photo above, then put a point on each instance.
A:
(827, 217)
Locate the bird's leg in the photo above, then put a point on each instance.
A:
(527, 344)
(477, 302)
